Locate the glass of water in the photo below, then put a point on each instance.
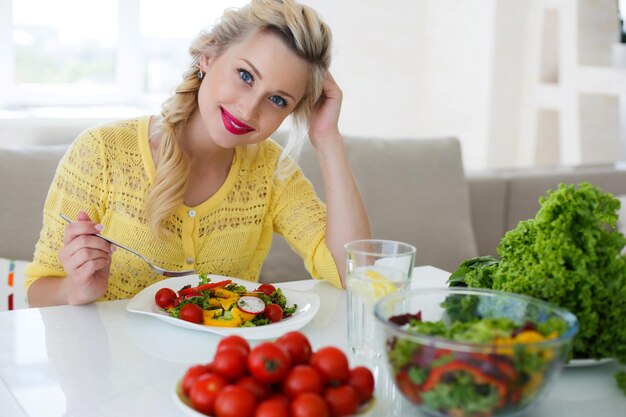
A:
(374, 268)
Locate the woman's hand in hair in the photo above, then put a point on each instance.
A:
(324, 125)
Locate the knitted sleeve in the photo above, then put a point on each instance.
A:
(300, 217)
(78, 184)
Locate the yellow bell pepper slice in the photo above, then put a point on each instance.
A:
(243, 316)
(227, 303)
(220, 322)
(209, 315)
(224, 293)
(214, 302)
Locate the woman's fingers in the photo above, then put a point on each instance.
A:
(73, 258)
(90, 267)
(82, 248)
(80, 227)
(331, 89)
(86, 259)
(84, 253)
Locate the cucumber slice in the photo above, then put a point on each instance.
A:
(250, 304)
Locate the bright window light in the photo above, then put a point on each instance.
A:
(53, 46)
(99, 52)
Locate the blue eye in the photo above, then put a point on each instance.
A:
(279, 101)
(245, 76)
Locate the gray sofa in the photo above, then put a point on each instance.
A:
(415, 191)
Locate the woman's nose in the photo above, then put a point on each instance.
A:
(248, 107)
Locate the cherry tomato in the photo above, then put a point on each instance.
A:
(205, 391)
(191, 375)
(273, 312)
(260, 390)
(235, 401)
(279, 396)
(230, 362)
(302, 378)
(332, 364)
(272, 408)
(362, 380)
(192, 313)
(268, 363)
(298, 347)
(233, 340)
(164, 297)
(342, 400)
(266, 289)
(309, 404)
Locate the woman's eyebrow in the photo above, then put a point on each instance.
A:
(260, 77)
(254, 69)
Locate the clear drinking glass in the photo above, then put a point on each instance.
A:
(374, 268)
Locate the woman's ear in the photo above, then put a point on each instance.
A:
(205, 62)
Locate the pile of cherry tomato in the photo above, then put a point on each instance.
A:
(284, 378)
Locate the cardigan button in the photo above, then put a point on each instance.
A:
(189, 260)
(191, 213)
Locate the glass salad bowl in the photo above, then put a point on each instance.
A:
(473, 352)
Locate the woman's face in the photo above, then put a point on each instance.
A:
(249, 90)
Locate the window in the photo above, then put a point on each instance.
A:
(104, 52)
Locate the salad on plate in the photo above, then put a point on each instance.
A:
(225, 303)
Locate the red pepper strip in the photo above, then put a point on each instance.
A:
(501, 364)
(408, 387)
(204, 287)
(183, 297)
(436, 374)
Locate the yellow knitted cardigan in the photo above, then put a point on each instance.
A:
(108, 170)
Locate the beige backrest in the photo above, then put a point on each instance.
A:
(415, 191)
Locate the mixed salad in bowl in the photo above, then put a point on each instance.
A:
(474, 352)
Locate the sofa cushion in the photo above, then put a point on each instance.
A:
(25, 176)
(414, 190)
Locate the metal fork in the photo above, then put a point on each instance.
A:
(155, 268)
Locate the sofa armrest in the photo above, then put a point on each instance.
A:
(500, 199)
(25, 177)
(488, 196)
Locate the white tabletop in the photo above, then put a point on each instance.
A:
(100, 360)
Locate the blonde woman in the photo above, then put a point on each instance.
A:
(201, 186)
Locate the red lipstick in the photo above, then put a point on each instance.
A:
(234, 125)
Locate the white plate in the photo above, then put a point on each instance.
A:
(308, 305)
(184, 403)
(575, 363)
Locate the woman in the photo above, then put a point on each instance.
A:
(201, 187)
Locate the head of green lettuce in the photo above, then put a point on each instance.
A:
(569, 255)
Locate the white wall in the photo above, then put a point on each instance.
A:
(467, 67)
(415, 68)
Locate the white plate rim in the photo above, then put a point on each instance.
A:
(184, 403)
(578, 363)
(308, 305)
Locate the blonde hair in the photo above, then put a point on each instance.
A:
(303, 32)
